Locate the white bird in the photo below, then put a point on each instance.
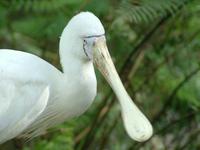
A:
(35, 96)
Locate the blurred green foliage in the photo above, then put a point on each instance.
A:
(162, 72)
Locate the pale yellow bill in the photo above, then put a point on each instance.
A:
(136, 124)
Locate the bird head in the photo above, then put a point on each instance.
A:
(88, 32)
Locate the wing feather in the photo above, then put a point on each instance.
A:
(21, 102)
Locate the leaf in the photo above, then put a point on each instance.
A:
(147, 10)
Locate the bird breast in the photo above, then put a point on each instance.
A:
(75, 93)
(79, 95)
(67, 99)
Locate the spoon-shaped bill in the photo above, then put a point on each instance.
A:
(136, 124)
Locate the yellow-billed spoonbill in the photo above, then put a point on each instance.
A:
(35, 96)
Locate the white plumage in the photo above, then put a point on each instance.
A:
(35, 96)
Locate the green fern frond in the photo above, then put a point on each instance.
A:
(38, 5)
(138, 11)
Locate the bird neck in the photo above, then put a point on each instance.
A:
(71, 59)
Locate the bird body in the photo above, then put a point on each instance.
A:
(63, 100)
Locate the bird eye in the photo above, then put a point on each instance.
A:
(84, 47)
(84, 42)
